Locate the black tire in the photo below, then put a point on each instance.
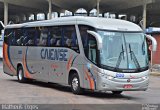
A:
(75, 84)
(20, 75)
(117, 92)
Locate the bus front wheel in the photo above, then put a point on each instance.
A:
(75, 84)
(20, 75)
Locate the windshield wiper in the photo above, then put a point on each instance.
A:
(133, 57)
(120, 57)
(143, 46)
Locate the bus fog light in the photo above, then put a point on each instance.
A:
(110, 77)
(145, 77)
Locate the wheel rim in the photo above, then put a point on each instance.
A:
(75, 83)
(20, 75)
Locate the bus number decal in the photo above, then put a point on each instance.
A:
(119, 75)
(54, 54)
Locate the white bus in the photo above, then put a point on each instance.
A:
(92, 53)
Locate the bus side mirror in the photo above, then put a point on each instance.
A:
(98, 38)
(154, 42)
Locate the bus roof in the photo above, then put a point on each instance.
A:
(96, 22)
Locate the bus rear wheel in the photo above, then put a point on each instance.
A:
(117, 92)
(20, 75)
(75, 84)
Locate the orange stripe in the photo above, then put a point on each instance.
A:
(69, 63)
(91, 82)
(6, 59)
(26, 72)
(4, 62)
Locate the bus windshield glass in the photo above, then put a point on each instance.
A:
(121, 50)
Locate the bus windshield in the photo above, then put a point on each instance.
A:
(121, 50)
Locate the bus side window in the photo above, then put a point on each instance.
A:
(12, 38)
(8, 35)
(42, 38)
(70, 38)
(19, 37)
(25, 34)
(54, 36)
(30, 37)
(37, 36)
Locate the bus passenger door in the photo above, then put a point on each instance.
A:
(89, 43)
(91, 68)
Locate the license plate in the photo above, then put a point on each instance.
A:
(128, 86)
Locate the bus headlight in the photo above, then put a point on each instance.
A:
(106, 76)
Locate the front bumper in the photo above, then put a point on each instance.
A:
(139, 84)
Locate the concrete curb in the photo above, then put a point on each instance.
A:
(155, 73)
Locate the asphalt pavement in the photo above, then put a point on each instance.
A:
(12, 92)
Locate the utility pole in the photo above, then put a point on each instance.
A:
(98, 1)
(50, 9)
(144, 14)
(5, 12)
